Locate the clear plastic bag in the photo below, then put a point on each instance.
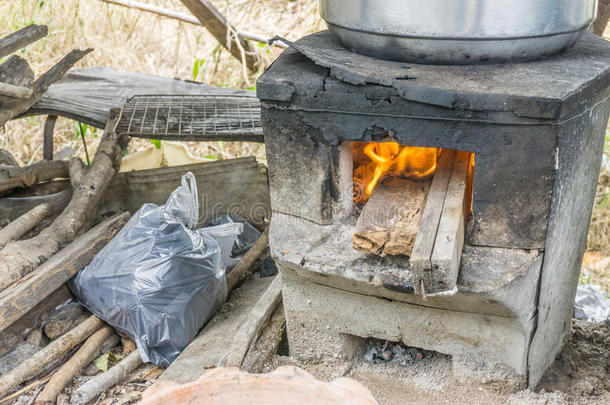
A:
(159, 280)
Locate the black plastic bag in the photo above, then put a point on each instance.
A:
(244, 241)
(158, 281)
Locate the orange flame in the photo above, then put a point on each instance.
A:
(408, 161)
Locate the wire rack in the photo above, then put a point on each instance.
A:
(192, 118)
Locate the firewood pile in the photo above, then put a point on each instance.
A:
(55, 216)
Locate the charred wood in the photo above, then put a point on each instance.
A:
(435, 259)
(64, 319)
(43, 189)
(6, 159)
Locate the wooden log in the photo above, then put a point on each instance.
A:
(23, 224)
(24, 295)
(390, 219)
(7, 159)
(45, 356)
(21, 38)
(267, 344)
(12, 177)
(12, 336)
(603, 14)
(16, 71)
(87, 353)
(254, 323)
(21, 257)
(435, 265)
(12, 107)
(219, 27)
(98, 384)
(47, 137)
(428, 227)
(36, 385)
(247, 265)
(10, 90)
(449, 241)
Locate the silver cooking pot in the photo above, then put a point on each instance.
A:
(458, 31)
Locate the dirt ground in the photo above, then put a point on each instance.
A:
(579, 375)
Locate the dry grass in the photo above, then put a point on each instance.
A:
(132, 40)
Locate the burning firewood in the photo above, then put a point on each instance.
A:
(19, 258)
(390, 219)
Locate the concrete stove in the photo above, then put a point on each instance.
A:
(537, 132)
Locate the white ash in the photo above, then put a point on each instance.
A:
(379, 352)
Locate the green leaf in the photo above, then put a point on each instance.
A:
(102, 362)
(198, 68)
(156, 142)
(212, 157)
(251, 88)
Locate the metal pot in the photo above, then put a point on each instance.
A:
(458, 31)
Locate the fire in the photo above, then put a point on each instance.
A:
(392, 159)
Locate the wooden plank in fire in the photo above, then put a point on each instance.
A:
(435, 259)
(389, 221)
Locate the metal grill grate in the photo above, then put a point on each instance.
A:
(192, 118)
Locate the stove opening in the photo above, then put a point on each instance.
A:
(403, 193)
